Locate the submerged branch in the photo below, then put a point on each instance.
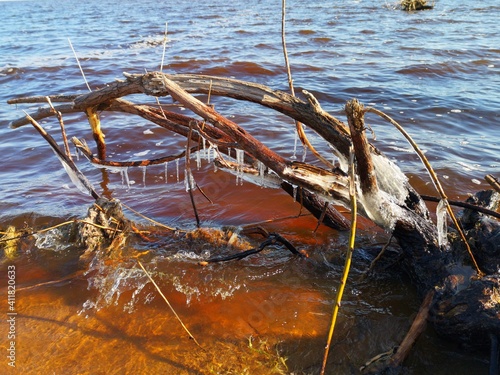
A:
(273, 238)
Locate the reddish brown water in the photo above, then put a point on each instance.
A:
(268, 313)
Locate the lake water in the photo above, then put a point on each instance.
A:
(436, 72)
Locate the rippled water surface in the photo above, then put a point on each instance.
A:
(436, 72)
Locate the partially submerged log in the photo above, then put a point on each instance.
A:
(411, 5)
(465, 303)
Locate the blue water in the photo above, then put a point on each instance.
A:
(436, 72)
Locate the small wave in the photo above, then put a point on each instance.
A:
(307, 32)
(321, 40)
(239, 68)
(147, 43)
(10, 71)
(195, 65)
(444, 69)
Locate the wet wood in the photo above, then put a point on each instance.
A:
(416, 329)
(464, 305)
(364, 165)
(493, 182)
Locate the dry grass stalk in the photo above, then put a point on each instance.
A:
(347, 265)
(168, 303)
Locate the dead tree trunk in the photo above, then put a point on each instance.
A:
(464, 306)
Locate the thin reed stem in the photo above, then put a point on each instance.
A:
(168, 303)
(63, 131)
(189, 177)
(348, 260)
(149, 219)
(164, 47)
(78, 62)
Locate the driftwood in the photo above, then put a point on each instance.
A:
(463, 303)
(411, 5)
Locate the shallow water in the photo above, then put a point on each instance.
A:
(436, 72)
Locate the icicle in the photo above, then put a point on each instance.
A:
(209, 154)
(192, 181)
(294, 187)
(77, 153)
(214, 152)
(304, 154)
(198, 160)
(125, 179)
(442, 225)
(240, 157)
(166, 172)
(295, 141)
(144, 175)
(186, 182)
(262, 169)
(189, 181)
(177, 168)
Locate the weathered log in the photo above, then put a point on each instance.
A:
(463, 307)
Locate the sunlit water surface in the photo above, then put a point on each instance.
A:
(436, 72)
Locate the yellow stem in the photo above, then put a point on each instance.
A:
(348, 260)
(168, 303)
